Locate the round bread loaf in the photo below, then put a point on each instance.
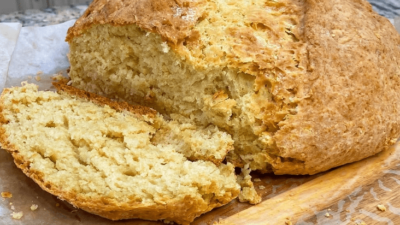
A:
(301, 85)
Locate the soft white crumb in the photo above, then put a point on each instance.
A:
(381, 208)
(17, 215)
(165, 47)
(34, 207)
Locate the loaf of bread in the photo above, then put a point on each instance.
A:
(112, 159)
(301, 85)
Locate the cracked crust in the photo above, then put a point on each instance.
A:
(332, 81)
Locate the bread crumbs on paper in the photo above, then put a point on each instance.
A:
(17, 215)
(6, 194)
(381, 208)
(257, 180)
(327, 215)
(12, 208)
(34, 207)
(38, 78)
(57, 77)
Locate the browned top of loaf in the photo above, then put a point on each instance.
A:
(100, 100)
(152, 15)
(334, 84)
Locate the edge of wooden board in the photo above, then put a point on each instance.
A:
(318, 193)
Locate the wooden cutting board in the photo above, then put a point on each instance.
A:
(349, 195)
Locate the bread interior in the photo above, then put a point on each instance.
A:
(128, 63)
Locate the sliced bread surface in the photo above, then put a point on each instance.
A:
(100, 156)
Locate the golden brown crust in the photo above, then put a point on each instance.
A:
(151, 15)
(100, 100)
(350, 100)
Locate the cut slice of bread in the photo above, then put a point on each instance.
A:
(205, 143)
(101, 156)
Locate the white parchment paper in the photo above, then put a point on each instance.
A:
(396, 23)
(39, 53)
(9, 33)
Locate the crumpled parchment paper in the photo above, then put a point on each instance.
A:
(8, 39)
(40, 52)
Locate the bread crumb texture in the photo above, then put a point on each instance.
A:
(6, 194)
(248, 192)
(34, 207)
(17, 215)
(105, 161)
(381, 208)
(300, 91)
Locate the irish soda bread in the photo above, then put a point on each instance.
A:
(301, 85)
(101, 156)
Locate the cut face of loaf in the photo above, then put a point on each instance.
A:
(301, 85)
(101, 157)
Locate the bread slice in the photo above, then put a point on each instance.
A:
(100, 155)
(301, 85)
